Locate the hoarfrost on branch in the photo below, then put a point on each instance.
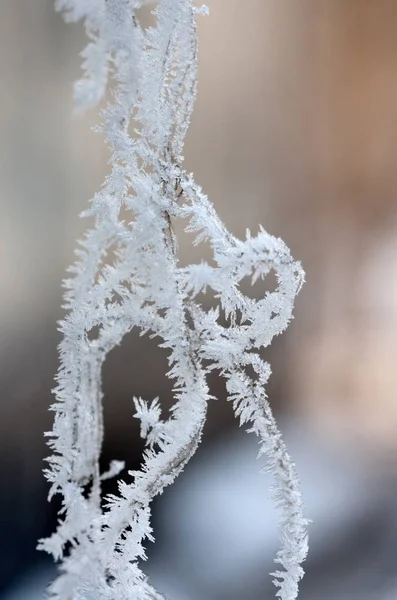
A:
(153, 73)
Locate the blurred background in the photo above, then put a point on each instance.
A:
(295, 128)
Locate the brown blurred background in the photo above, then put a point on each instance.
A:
(295, 128)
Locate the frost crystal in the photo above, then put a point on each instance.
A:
(154, 77)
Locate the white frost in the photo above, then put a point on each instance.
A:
(154, 76)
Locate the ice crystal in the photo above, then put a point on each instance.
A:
(153, 72)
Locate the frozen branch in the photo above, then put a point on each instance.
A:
(153, 72)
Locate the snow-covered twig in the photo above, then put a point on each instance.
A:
(154, 76)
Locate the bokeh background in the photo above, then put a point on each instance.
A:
(295, 128)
